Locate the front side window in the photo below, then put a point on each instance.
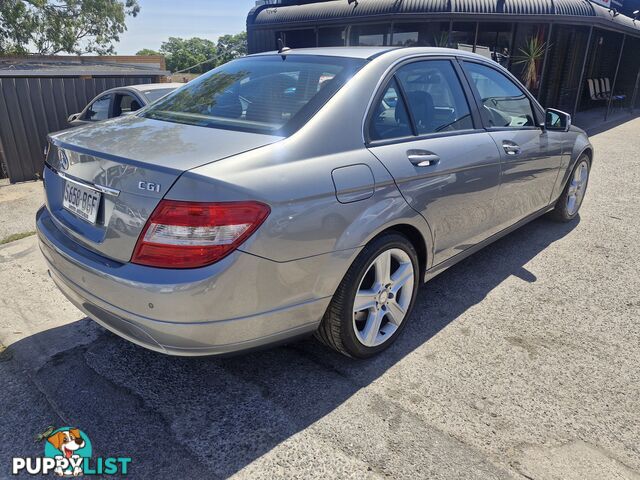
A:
(269, 94)
(505, 104)
(435, 96)
(390, 118)
(99, 110)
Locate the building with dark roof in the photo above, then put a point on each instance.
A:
(564, 51)
(37, 95)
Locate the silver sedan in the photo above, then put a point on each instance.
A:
(300, 192)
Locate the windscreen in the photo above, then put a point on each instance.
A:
(157, 93)
(274, 94)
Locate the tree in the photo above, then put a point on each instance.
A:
(199, 55)
(231, 46)
(184, 53)
(148, 51)
(72, 26)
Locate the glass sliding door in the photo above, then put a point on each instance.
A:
(564, 66)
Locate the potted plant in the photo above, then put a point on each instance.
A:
(530, 54)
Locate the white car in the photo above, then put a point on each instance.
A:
(121, 101)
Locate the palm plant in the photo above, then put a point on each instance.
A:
(530, 54)
(441, 39)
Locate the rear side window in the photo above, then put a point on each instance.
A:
(390, 118)
(505, 104)
(269, 94)
(435, 96)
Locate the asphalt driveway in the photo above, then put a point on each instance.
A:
(523, 361)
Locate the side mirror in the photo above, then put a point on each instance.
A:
(73, 118)
(556, 120)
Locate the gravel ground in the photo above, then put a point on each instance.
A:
(18, 204)
(520, 362)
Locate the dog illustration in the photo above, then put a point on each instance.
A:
(67, 441)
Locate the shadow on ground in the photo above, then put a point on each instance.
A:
(213, 416)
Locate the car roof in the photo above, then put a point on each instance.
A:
(350, 52)
(369, 53)
(154, 86)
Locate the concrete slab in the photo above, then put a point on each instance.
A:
(520, 362)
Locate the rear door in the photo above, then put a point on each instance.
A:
(530, 156)
(427, 133)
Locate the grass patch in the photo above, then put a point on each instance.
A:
(16, 236)
(5, 353)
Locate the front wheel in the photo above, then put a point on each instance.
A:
(374, 300)
(570, 201)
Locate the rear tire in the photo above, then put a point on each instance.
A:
(371, 325)
(569, 203)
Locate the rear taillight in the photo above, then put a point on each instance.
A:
(190, 234)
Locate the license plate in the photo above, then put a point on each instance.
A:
(81, 201)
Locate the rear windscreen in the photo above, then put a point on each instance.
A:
(270, 94)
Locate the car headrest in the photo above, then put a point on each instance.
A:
(422, 107)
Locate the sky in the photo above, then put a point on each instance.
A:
(160, 19)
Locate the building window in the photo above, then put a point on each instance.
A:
(424, 34)
(463, 35)
(298, 38)
(370, 35)
(528, 54)
(332, 37)
(494, 42)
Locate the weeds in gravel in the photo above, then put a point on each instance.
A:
(16, 236)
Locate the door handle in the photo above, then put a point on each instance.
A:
(511, 148)
(423, 158)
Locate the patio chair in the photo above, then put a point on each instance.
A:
(607, 88)
(594, 89)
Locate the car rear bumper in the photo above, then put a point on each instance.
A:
(239, 303)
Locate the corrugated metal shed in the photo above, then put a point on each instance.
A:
(37, 96)
(559, 11)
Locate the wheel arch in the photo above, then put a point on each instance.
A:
(415, 237)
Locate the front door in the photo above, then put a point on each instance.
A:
(423, 130)
(531, 156)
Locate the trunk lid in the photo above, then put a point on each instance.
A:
(132, 162)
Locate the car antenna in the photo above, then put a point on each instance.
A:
(282, 48)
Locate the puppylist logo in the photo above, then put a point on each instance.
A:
(68, 453)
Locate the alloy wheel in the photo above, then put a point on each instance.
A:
(577, 187)
(383, 297)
